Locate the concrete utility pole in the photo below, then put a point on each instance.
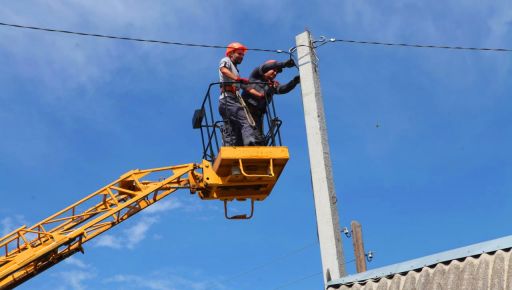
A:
(329, 234)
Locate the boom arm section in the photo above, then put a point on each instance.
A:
(239, 173)
(28, 251)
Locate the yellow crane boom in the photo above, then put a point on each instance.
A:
(238, 173)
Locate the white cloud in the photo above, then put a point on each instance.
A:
(10, 223)
(471, 23)
(134, 234)
(76, 275)
(188, 205)
(161, 281)
(73, 261)
(51, 78)
(132, 281)
(84, 60)
(500, 24)
(413, 21)
(74, 280)
(138, 232)
(68, 70)
(164, 206)
(130, 237)
(108, 241)
(194, 204)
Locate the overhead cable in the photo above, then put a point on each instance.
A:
(324, 40)
(289, 283)
(297, 280)
(318, 43)
(271, 261)
(133, 39)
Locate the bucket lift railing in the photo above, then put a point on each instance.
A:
(210, 126)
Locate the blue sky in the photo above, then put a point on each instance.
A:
(418, 137)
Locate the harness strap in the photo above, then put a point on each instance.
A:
(246, 110)
(229, 88)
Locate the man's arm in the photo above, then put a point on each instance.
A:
(255, 93)
(228, 73)
(276, 66)
(283, 89)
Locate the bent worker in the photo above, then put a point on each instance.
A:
(258, 94)
(238, 129)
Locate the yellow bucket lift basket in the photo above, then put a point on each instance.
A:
(243, 173)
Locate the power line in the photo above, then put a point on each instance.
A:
(303, 278)
(132, 39)
(297, 280)
(271, 261)
(323, 41)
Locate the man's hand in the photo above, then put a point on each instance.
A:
(289, 63)
(242, 80)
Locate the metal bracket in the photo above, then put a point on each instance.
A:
(197, 119)
(346, 232)
(369, 256)
(241, 216)
(270, 170)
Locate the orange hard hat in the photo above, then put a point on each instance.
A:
(235, 46)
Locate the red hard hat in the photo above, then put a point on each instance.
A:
(235, 46)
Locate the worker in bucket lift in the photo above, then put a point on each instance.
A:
(238, 128)
(262, 88)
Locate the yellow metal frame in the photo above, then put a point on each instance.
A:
(25, 252)
(244, 172)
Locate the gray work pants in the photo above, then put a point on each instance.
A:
(236, 130)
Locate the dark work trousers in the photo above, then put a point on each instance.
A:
(236, 130)
(257, 116)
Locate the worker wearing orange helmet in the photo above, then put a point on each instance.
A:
(262, 88)
(238, 129)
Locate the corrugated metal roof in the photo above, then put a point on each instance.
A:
(486, 265)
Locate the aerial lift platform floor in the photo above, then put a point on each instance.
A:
(244, 172)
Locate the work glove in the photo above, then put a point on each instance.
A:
(296, 79)
(242, 80)
(289, 63)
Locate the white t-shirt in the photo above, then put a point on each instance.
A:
(227, 63)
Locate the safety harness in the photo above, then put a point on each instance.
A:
(236, 91)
